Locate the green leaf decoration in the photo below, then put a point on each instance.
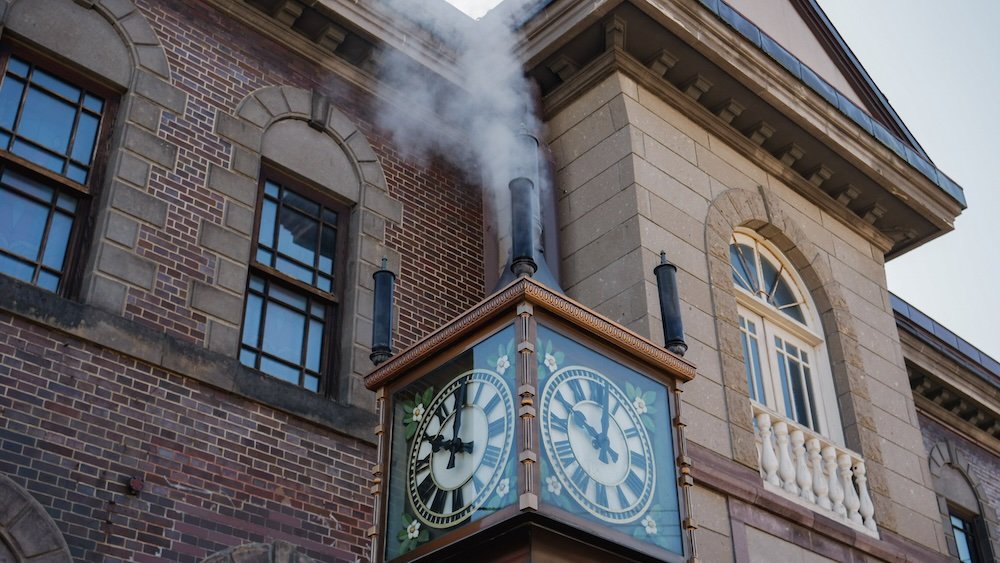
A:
(500, 350)
(548, 347)
(401, 536)
(406, 519)
(408, 408)
(630, 391)
(424, 536)
(649, 397)
(650, 409)
(648, 423)
(411, 429)
(559, 356)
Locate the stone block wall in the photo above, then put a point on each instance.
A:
(637, 175)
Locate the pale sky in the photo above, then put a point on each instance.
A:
(934, 61)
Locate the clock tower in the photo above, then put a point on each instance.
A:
(530, 427)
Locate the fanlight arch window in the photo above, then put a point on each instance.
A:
(787, 367)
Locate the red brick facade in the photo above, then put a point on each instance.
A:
(78, 420)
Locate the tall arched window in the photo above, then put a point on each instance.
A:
(787, 367)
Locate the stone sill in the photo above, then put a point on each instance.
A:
(113, 332)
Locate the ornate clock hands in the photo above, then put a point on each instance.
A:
(599, 440)
(456, 444)
(605, 444)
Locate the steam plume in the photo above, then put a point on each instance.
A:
(493, 102)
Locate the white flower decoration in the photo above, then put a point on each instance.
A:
(502, 364)
(553, 484)
(418, 412)
(550, 362)
(503, 487)
(650, 525)
(413, 530)
(640, 405)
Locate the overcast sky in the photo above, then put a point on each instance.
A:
(935, 62)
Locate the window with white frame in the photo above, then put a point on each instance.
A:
(787, 367)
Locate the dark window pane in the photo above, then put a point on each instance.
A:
(37, 155)
(298, 272)
(10, 100)
(58, 240)
(4, 141)
(330, 216)
(288, 297)
(22, 224)
(66, 203)
(265, 257)
(324, 284)
(27, 185)
(311, 383)
(271, 189)
(256, 283)
(46, 120)
(48, 281)
(86, 136)
(802, 414)
(744, 266)
(18, 67)
(315, 348)
(297, 236)
(93, 103)
(56, 85)
(284, 331)
(296, 201)
(266, 231)
(248, 358)
(279, 370)
(251, 322)
(16, 268)
(328, 244)
(77, 173)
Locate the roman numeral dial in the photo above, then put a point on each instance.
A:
(460, 448)
(597, 444)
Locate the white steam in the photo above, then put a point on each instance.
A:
(492, 102)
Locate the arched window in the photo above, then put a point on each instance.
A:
(787, 367)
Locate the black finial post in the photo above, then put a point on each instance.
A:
(382, 314)
(670, 306)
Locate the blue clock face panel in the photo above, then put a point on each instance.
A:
(452, 445)
(608, 442)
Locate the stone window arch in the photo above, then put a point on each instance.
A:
(27, 532)
(298, 132)
(959, 500)
(111, 42)
(758, 212)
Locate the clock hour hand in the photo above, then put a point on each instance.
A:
(599, 443)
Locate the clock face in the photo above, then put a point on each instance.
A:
(607, 444)
(463, 434)
(603, 453)
(451, 442)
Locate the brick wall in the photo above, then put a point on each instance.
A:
(78, 421)
(218, 62)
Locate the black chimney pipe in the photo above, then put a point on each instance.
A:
(670, 306)
(523, 204)
(382, 314)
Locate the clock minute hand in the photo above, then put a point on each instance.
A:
(456, 442)
(605, 445)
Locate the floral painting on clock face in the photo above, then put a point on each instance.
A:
(608, 443)
(452, 446)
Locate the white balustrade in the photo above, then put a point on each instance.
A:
(809, 468)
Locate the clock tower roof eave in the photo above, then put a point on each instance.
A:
(528, 290)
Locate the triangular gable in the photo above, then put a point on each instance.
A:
(801, 27)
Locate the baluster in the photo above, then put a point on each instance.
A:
(821, 486)
(768, 461)
(803, 478)
(851, 502)
(836, 491)
(785, 468)
(867, 509)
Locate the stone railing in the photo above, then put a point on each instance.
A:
(811, 470)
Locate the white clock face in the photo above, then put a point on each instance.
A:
(460, 447)
(597, 443)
